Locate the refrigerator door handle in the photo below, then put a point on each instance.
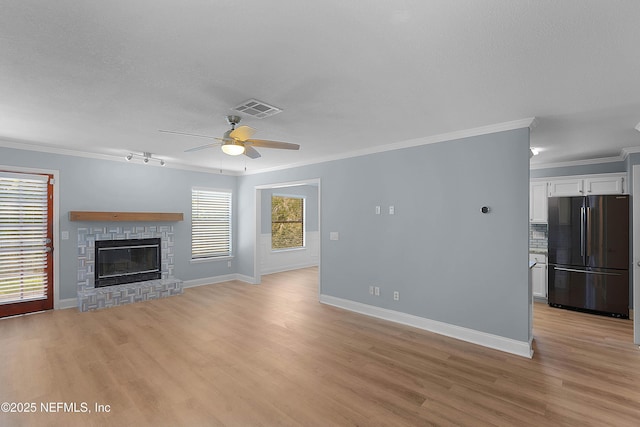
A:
(588, 235)
(582, 220)
(599, 273)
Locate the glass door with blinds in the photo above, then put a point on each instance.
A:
(26, 234)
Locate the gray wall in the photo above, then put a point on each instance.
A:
(310, 192)
(101, 185)
(450, 262)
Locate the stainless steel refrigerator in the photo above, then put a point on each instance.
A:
(589, 254)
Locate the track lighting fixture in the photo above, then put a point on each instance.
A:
(146, 156)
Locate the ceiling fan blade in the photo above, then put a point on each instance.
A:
(188, 134)
(272, 144)
(202, 147)
(251, 152)
(242, 133)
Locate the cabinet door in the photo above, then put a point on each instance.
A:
(539, 280)
(566, 187)
(538, 202)
(604, 185)
(539, 275)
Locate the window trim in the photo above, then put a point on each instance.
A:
(304, 222)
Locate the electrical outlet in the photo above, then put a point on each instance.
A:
(229, 264)
(396, 296)
(376, 291)
(370, 290)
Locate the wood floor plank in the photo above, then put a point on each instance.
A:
(233, 354)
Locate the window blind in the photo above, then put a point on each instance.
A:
(23, 237)
(210, 223)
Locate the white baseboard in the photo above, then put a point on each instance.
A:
(289, 259)
(247, 279)
(217, 279)
(508, 345)
(288, 268)
(66, 303)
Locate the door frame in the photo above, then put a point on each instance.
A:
(257, 276)
(56, 223)
(635, 259)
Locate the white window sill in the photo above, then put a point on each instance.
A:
(212, 259)
(276, 251)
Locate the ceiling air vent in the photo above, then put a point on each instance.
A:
(257, 109)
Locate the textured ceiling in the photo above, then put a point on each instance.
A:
(104, 77)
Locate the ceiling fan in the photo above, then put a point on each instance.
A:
(237, 141)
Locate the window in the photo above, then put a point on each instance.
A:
(287, 222)
(210, 223)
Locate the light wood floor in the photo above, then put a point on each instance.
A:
(243, 355)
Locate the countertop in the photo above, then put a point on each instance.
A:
(540, 251)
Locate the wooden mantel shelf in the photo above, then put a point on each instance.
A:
(125, 216)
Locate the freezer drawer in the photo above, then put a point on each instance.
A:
(604, 291)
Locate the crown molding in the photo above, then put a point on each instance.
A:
(586, 162)
(529, 122)
(449, 136)
(624, 153)
(19, 145)
(630, 150)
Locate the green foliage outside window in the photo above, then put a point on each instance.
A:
(287, 226)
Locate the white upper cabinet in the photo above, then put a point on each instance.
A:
(566, 187)
(587, 185)
(604, 185)
(538, 202)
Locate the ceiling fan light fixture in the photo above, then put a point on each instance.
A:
(232, 149)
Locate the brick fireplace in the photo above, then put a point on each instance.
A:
(91, 297)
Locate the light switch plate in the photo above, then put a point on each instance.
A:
(392, 210)
(333, 235)
(377, 210)
(64, 235)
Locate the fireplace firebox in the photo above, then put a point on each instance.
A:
(127, 261)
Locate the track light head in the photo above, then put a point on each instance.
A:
(145, 156)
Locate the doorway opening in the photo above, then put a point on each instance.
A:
(306, 253)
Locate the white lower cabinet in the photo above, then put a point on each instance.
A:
(539, 275)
